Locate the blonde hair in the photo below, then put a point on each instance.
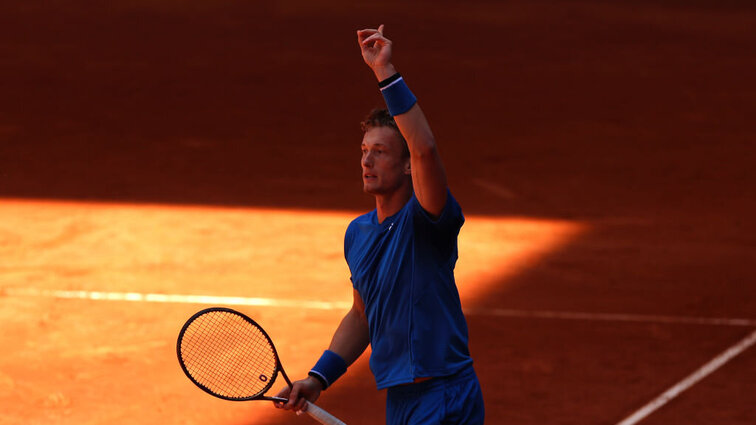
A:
(379, 117)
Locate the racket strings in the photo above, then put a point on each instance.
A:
(232, 365)
(228, 355)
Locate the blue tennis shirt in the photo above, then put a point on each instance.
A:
(403, 269)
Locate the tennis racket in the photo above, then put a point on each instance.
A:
(230, 356)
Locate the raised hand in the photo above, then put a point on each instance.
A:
(376, 51)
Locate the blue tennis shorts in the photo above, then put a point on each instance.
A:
(454, 399)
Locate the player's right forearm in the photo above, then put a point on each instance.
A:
(349, 341)
(351, 337)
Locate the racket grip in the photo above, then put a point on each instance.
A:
(322, 416)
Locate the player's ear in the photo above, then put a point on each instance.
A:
(407, 166)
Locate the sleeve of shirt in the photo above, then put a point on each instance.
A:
(348, 238)
(447, 225)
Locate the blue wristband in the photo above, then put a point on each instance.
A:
(399, 99)
(329, 368)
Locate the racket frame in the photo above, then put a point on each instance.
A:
(261, 394)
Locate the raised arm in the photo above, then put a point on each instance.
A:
(428, 175)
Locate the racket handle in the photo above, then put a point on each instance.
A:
(322, 416)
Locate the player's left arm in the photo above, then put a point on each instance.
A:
(428, 174)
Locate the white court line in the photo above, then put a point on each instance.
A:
(613, 317)
(175, 298)
(690, 380)
(326, 305)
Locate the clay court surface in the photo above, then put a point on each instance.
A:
(160, 157)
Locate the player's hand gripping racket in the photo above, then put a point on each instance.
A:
(228, 355)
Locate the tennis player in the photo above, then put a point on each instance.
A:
(402, 256)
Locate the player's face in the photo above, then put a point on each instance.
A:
(384, 166)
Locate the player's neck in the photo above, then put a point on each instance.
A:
(389, 204)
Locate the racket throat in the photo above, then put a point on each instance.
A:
(285, 376)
